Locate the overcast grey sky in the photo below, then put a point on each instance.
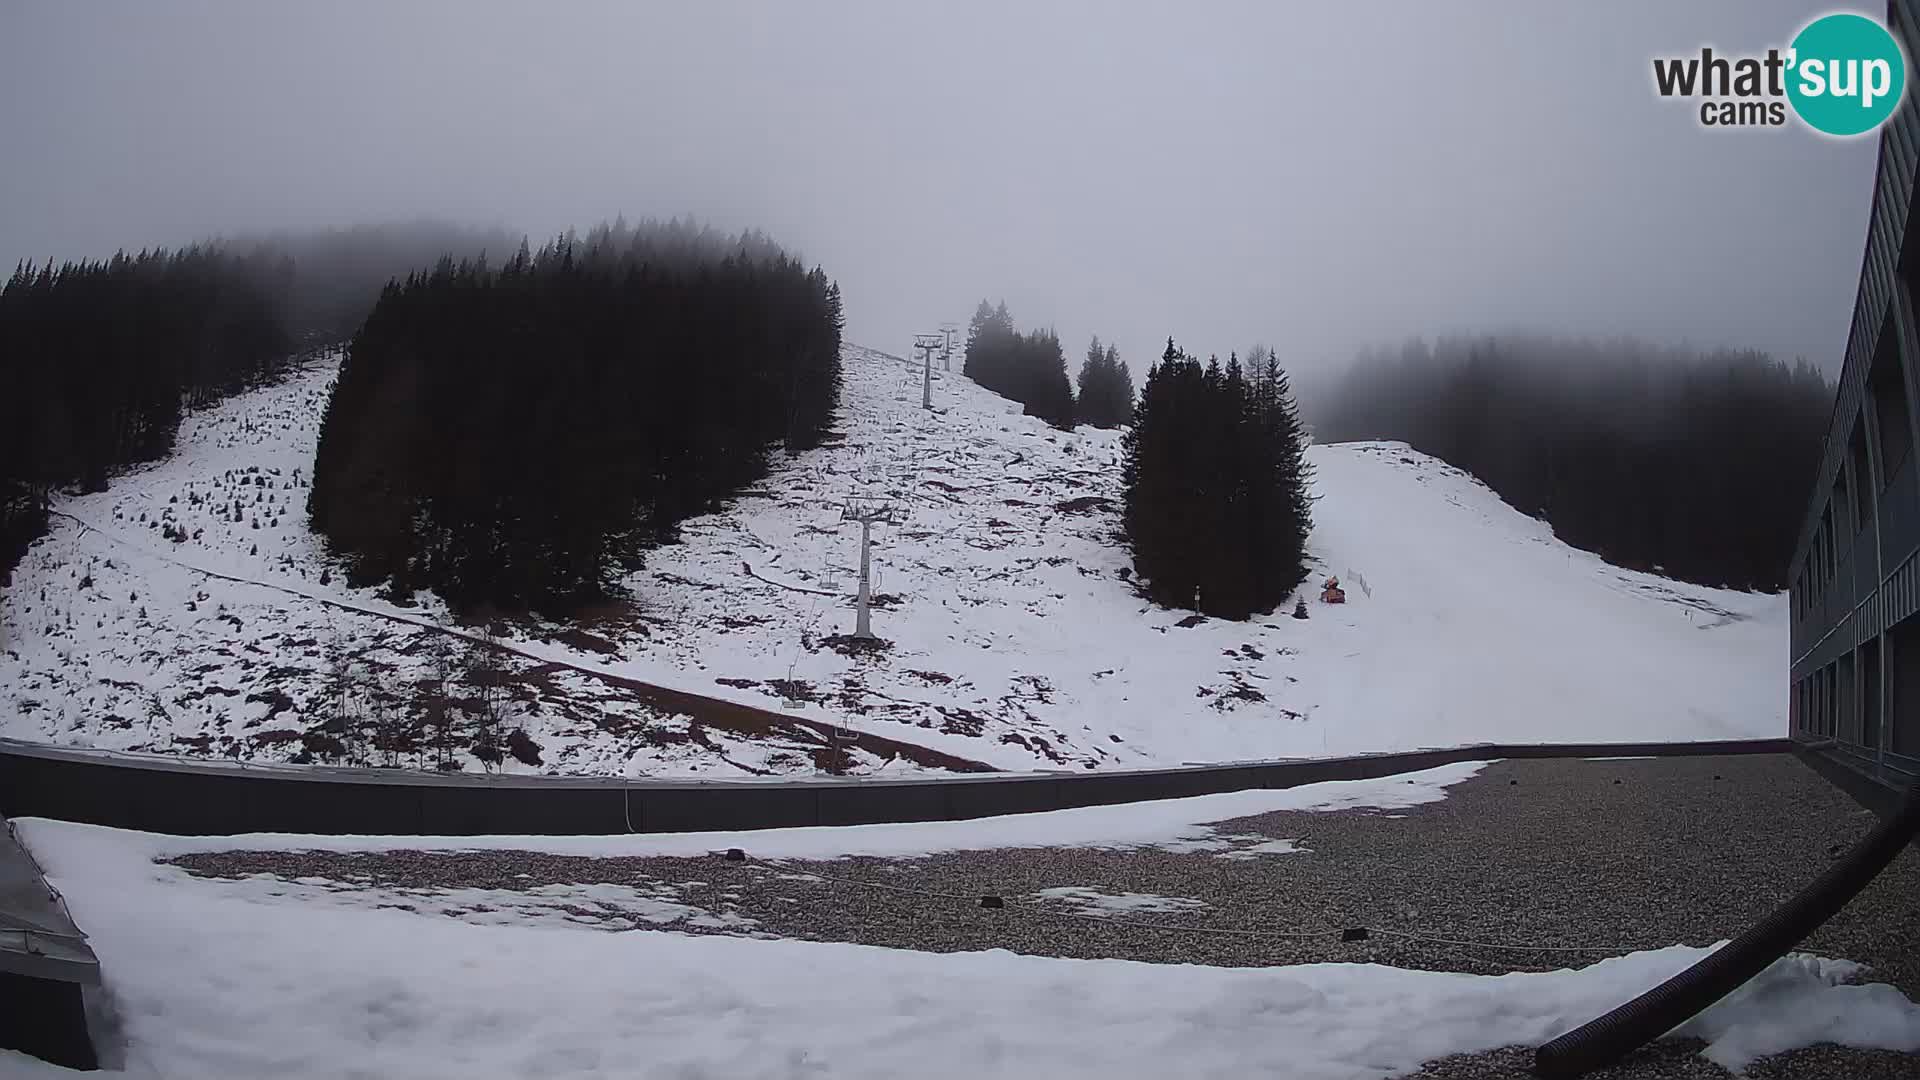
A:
(1318, 176)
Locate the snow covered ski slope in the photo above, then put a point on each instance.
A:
(1015, 638)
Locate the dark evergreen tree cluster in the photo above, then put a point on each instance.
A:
(1693, 464)
(1217, 508)
(338, 273)
(1106, 387)
(100, 358)
(515, 437)
(1029, 368)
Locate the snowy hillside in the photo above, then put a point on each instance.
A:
(1014, 636)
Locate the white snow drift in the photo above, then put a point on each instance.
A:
(1179, 825)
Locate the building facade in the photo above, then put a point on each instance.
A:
(1855, 676)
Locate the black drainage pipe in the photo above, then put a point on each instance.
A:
(1603, 1041)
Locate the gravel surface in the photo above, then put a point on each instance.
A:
(1605, 856)
(1678, 1059)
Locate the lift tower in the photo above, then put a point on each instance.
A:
(925, 344)
(867, 514)
(948, 329)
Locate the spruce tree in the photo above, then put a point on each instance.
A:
(1119, 388)
(1029, 368)
(1092, 397)
(1043, 375)
(518, 437)
(99, 360)
(1289, 480)
(1106, 390)
(1217, 510)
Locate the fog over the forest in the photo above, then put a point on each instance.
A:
(1318, 177)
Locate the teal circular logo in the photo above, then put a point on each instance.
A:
(1845, 74)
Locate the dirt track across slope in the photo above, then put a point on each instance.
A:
(743, 720)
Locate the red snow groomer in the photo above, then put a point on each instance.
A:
(1333, 593)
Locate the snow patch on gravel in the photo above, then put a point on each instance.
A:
(1094, 901)
(1262, 846)
(211, 985)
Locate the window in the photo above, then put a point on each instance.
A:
(1903, 687)
(1869, 665)
(1816, 563)
(1828, 563)
(1827, 709)
(1863, 485)
(1888, 386)
(1847, 717)
(1836, 703)
(1833, 700)
(1842, 509)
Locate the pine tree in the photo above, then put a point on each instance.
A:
(1119, 388)
(99, 360)
(1042, 369)
(1029, 368)
(1092, 396)
(1289, 478)
(1159, 494)
(518, 437)
(991, 343)
(1106, 389)
(1217, 510)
